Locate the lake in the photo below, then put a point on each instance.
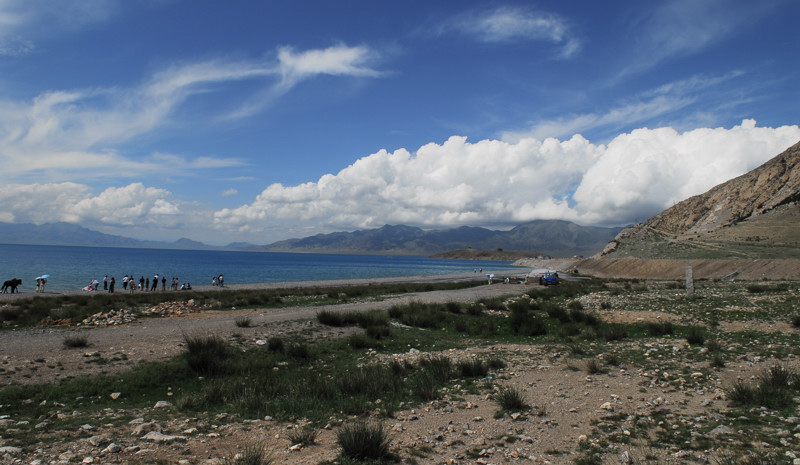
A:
(71, 268)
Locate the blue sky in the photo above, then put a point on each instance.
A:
(259, 121)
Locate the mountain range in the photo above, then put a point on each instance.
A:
(541, 237)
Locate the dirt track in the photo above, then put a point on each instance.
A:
(637, 268)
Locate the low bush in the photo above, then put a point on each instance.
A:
(695, 336)
(206, 355)
(305, 436)
(75, 341)
(299, 351)
(511, 399)
(242, 322)
(473, 368)
(253, 454)
(275, 344)
(656, 329)
(363, 441)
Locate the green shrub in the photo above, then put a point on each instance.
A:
(473, 368)
(613, 333)
(364, 442)
(299, 351)
(775, 389)
(275, 344)
(242, 322)
(206, 355)
(423, 385)
(253, 454)
(378, 332)
(511, 399)
(656, 329)
(695, 336)
(329, 318)
(440, 367)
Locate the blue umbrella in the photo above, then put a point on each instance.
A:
(45, 276)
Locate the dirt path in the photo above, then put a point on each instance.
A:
(37, 355)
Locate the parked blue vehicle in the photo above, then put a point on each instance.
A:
(549, 278)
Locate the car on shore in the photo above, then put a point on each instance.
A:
(549, 278)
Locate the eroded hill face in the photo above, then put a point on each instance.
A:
(753, 215)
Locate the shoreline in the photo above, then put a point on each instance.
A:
(453, 277)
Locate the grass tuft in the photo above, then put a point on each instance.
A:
(511, 399)
(253, 454)
(206, 355)
(76, 341)
(364, 442)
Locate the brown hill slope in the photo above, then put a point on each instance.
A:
(751, 216)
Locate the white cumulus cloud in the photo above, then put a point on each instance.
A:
(493, 182)
(134, 204)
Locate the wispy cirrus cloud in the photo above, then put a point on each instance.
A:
(295, 67)
(684, 27)
(638, 109)
(56, 134)
(513, 24)
(22, 22)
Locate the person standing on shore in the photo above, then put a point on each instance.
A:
(111, 285)
(105, 283)
(141, 282)
(221, 281)
(155, 283)
(125, 283)
(163, 283)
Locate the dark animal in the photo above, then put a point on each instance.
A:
(11, 285)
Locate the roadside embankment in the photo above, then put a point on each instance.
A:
(745, 269)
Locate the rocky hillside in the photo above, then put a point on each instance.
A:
(752, 216)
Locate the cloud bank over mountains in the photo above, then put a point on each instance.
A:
(458, 182)
(499, 183)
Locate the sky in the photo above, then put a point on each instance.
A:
(259, 121)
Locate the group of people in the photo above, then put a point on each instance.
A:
(218, 281)
(145, 284)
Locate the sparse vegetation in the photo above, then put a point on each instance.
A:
(363, 441)
(511, 399)
(306, 376)
(75, 341)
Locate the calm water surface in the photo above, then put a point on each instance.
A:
(72, 268)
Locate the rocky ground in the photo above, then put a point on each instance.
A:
(580, 400)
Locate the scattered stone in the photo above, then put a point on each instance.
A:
(111, 318)
(173, 308)
(162, 404)
(144, 428)
(160, 437)
(11, 450)
(99, 440)
(112, 449)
